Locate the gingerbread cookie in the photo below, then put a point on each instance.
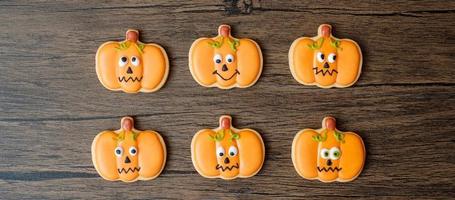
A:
(324, 60)
(224, 61)
(128, 154)
(227, 152)
(132, 66)
(328, 154)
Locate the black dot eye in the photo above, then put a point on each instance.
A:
(118, 151)
(133, 59)
(133, 151)
(218, 61)
(229, 60)
(124, 59)
(232, 153)
(221, 154)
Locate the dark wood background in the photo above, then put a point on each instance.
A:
(52, 104)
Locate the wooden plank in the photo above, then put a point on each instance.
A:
(52, 104)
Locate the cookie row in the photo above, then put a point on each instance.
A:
(226, 152)
(226, 62)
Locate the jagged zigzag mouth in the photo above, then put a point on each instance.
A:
(126, 171)
(218, 166)
(123, 79)
(226, 79)
(316, 71)
(332, 169)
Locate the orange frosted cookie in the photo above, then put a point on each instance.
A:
(227, 152)
(224, 61)
(328, 154)
(132, 66)
(324, 60)
(128, 154)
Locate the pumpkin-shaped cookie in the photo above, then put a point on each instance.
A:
(328, 154)
(128, 154)
(324, 60)
(227, 152)
(224, 61)
(132, 66)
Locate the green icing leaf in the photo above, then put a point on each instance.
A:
(126, 44)
(123, 45)
(336, 44)
(135, 135)
(315, 44)
(140, 47)
(339, 136)
(120, 137)
(234, 136)
(217, 44)
(319, 137)
(219, 136)
(234, 44)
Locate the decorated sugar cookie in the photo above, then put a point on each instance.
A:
(328, 154)
(224, 61)
(227, 152)
(325, 60)
(132, 66)
(128, 154)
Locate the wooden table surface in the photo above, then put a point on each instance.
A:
(52, 104)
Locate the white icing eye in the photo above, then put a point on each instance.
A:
(332, 57)
(325, 153)
(122, 61)
(217, 59)
(335, 153)
(229, 58)
(118, 151)
(320, 56)
(220, 152)
(232, 151)
(135, 61)
(133, 151)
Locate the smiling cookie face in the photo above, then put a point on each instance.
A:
(324, 60)
(328, 154)
(224, 61)
(132, 66)
(227, 152)
(128, 154)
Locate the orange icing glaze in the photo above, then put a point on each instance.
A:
(238, 153)
(331, 159)
(325, 60)
(144, 69)
(128, 154)
(224, 61)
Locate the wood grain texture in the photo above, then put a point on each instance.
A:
(52, 104)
